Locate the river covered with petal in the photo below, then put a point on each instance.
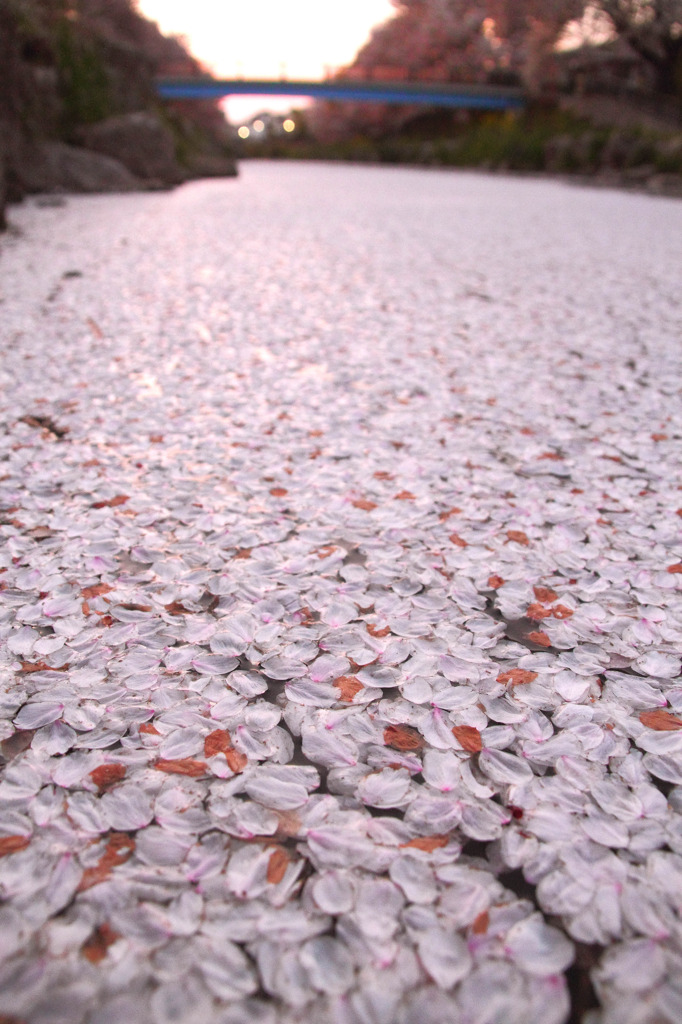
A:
(340, 603)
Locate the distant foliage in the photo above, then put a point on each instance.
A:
(503, 42)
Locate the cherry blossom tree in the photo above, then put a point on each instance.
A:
(653, 28)
(466, 41)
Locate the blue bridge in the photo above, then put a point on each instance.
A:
(472, 97)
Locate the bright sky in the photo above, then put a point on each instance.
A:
(269, 38)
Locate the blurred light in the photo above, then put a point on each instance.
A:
(258, 126)
(243, 132)
(288, 125)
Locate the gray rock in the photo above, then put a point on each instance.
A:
(140, 141)
(56, 167)
(639, 173)
(665, 184)
(669, 154)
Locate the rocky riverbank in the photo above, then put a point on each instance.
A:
(78, 111)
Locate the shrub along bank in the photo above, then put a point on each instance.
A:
(543, 139)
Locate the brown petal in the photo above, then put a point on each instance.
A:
(42, 666)
(182, 766)
(236, 761)
(217, 742)
(12, 844)
(96, 591)
(347, 686)
(117, 851)
(662, 721)
(403, 737)
(325, 552)
(480, 925)
(468, 737)
(176, 608)
(277, 865)
(517, 676)
(427, 843)
(118, 499)
(518, 536)
(536, 636)
(107, 774)
(537, 612)
(95, 948)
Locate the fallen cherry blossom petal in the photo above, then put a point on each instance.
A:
(341, 613)
(444, 956)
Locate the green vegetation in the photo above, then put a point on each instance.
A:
(83, 81)
(518, 143)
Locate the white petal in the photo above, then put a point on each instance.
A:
(484, 821)
(33, 716)
(442, 770)
(445, 956)
(328, 964)
(634, 966)
(415, 878)
(227, 972)
(22, 641)
(658, 664)
(334, 892)
(127, 808)
(387, 788)
(666, 767)
(281, 794)
(504, 768)
(538, 948)
(180, 1002)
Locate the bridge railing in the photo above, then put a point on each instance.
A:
(464, 96)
